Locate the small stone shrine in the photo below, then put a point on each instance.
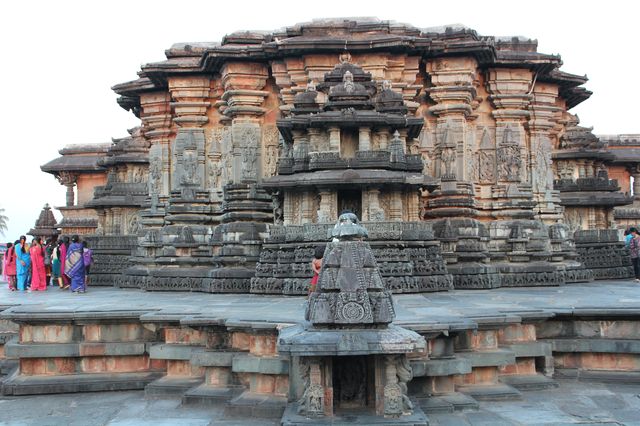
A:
(46, 226)
(353, 360)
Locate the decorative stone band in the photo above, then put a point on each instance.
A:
(411, 231)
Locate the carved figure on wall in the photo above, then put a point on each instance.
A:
(509, 163)
(347, 79)
(249, 158)
(134, 225)
(155, 174)
(487, 166)
(215, 173)
(189, 165)
(448, 157)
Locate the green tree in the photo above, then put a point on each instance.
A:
(3, 221)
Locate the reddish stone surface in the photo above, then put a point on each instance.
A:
(119, 364)
(183, 368)
(598, 361)
(484, 339)
(185, 336)
(47, 366)
(92, 349)
(263, 345)
(263, 383)
(281, 385)
(240, 341)
(441, 385)
(218, 376)
(479, 375)
(517, 333)
(523, 366)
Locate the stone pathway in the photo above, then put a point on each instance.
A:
(572, 403)
(410, 308)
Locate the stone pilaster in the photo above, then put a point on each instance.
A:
(510, 94)
(454, 93)
(69, 181)
(542, 123)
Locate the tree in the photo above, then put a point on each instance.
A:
(3, 221)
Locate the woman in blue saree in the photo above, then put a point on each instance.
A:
(74, 265)
(23, 263)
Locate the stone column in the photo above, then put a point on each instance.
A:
(635, 173)
(334, 139)
(383, 137)
(69, 180)
(395, 206)
(376, 212)
(315, 140)
(326, 207)
(364, 139)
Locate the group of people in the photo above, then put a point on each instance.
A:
(62, 262)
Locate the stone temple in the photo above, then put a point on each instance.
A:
(457, 151)
(421, 160)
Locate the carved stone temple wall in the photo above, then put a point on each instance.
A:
(453, 148)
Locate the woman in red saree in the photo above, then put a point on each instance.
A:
(38, 271)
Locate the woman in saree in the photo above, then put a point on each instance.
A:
(74, 265)
(38, 270)
(64, 246)
(56, 264)
(23, 263)
(10, 266)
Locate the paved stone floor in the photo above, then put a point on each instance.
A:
(410, 308)
(573, 403)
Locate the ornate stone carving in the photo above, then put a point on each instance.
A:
(508, 157)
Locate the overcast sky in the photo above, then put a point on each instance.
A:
(59, 59)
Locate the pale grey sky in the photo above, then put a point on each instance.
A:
(60, 58)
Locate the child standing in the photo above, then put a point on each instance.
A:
(316, 265)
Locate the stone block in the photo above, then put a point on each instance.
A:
(263, 345)
(494, 392)
(218, 376)
(522, 366)
(251, 404)
(240, 341)
(529, 382)
(183, 368)
(516, 333)
(124, 332)
(205, 358)
(47, 366)
(207, 395)
(171, 386)
(186, 336)
(117, 364)
(495, 358)
(173, 351)
(252, 364)
(36, 385)
(441, 347)
(440, 367)
(478, 375)
(46, 333)
(596, 345)
(531, 349)
(598, 361)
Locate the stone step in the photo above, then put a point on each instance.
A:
(171, 386)
(529, 382)
(259, 405)
(529, 349)
(71, 383)
(447, 403)
(603, 376)
(492, 358)
(440, 367)
(347, 418)
(14, 349)
(617, 346)
(171, 351)
(207, 394)
(497, 392)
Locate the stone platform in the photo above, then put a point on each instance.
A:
(219, 349)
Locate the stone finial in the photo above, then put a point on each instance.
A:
(311, 86)
(348, 228)
(386, 85)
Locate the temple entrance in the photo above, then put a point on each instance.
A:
(351, 200)
(353, 383)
